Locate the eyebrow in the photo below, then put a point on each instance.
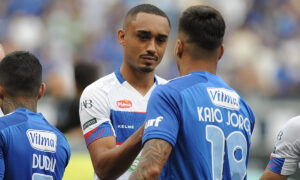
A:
(149, 33)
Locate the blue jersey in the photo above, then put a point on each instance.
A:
(30, 148)
(208, 124)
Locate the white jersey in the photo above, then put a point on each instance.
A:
(1, 113)
(286, 156)
(112, 107)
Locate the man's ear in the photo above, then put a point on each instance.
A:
(42, 90)
(121, 36)
(179, 49)
(221, 52)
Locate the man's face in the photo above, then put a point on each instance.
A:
(144, 41)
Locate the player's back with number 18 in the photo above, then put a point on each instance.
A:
(199, 126)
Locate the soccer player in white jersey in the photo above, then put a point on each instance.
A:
(197, 127)
(112, 109)
(285, 158)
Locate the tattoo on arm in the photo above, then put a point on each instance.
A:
(154, 156)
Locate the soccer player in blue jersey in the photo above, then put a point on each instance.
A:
(112, 109)
(30, 148)
(197, 127)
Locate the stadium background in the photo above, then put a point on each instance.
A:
(261, 60)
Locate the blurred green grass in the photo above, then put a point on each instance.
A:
(79, 168)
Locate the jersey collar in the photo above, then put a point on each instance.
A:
(121, 79)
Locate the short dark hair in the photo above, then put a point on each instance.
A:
(204, 26)
(146, 8)
(20, 74)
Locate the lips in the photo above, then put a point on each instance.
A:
(149, 57)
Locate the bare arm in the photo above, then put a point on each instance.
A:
(270, 175)
(109, 161)
(154, 156)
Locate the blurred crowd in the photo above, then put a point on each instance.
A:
(76, 43)
(261, 43)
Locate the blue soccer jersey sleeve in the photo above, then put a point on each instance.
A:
(162, 119)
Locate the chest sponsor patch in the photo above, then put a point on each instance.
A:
(224, 98)
(42, 140)
(124, 103)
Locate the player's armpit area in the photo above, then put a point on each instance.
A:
(270, 175)
(154, 156)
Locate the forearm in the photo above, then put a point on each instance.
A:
(154, 157)
(113, 162)
(270, 175)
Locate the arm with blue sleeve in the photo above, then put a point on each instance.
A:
(160, 135)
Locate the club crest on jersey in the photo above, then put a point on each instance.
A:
(124, 103)
(224, 98)
(42, 140)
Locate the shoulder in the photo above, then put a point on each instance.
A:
(184, 82)
(102, 83)
(289, 133)
(50, 130)
(101, 86)
(292, 127)
(11, 119)
(168, 91)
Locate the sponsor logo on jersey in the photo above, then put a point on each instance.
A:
(86, 104)
(89, 123)
(224, 98)
(279, 136)
(154, 122)
(124, 103)
(42, 140)
(124, 126)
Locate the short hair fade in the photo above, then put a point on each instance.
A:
(146, 8)
(20, 74)
(203, 25)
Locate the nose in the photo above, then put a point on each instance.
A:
(151, 48)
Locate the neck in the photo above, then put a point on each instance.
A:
(141, 81)
(191, 65)
(11, 104)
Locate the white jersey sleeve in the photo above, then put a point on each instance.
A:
(94, 111)
(286, 156)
